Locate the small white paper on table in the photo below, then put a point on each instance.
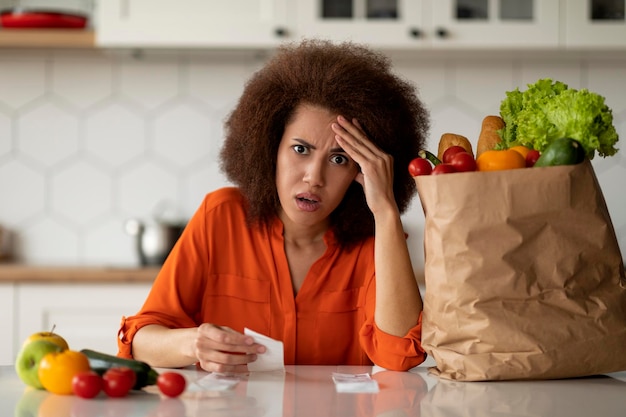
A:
(273, 359)
(355, 383)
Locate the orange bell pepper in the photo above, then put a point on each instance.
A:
(495, 160)
(56, 370)
(521, 149)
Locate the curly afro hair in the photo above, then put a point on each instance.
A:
(345, 78)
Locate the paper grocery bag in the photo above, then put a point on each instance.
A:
(523, 273)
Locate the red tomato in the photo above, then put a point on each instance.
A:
(531, 157)
(420, 166)
(86, 384)
(171, 384)
(450, 152)
(463, 162)
(443, 169)
(117, 382)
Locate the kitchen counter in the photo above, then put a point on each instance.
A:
(309, 391)
(44, 274)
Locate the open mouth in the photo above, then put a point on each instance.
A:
(307, 202)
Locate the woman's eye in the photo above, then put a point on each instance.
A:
(300, 149)
(339, 159)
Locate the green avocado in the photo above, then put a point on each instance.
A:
(563, 151)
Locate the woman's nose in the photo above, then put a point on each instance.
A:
(314, 174)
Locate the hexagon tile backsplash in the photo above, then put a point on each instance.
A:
(90, 139)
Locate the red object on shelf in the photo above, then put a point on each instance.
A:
(40, 19)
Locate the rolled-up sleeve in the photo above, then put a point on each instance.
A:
(393, 352)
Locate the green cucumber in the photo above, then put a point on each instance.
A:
(101, 362)
(563, 151)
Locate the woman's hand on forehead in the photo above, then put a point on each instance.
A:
(376, 174)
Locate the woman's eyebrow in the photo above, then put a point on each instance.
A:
(311, 146)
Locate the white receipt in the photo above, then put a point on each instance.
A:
(272, 359)
(354, 383)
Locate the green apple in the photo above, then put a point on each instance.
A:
(49, 336)
(27, 362)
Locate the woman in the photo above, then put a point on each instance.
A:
(318, 147)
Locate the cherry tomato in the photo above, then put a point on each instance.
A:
(171, 384)
(450, 152)
(531, 157)
(117, 382)
(443, 169)
(463, 162)
(420, 166)
(86, 384)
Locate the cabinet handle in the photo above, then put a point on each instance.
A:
(415, 33)
(442, 33)
(280, 32)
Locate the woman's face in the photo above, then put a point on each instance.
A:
(312, 172)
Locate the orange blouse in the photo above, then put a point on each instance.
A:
(225, 272)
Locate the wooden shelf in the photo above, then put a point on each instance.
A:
(76, 274)
(47, 38)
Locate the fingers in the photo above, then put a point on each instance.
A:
(224, 338)
(221, 349)
(352, 134)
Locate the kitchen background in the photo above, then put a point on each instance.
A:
(90, 138)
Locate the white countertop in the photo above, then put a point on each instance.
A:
(309, 391)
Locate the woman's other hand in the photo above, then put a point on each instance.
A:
(223, 350)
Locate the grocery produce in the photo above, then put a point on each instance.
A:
(463, 162)
(531, 158)
(118, 381)
(549, 110)
(448, 140)
(489, 136)
(101, 362)
(171, 384)
(521, 149)
(562, 151)
(29, 358)
(420, 166)
(443, 169)
(49, 336)
(87, 384)
(430, 156)
(57, 369)
(451, 151)
(495, 160)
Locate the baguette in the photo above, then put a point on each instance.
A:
(489, 136)
(451, 139)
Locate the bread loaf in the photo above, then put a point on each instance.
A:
(489, 136)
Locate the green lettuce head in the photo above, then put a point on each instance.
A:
(550, 110)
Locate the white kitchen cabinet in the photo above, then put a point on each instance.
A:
(86, 315)
(387, 24)
(191, 23)
(495, 23)
(594, 23)
(379, 23)
(438, 24)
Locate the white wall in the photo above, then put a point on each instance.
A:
(89, 139)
